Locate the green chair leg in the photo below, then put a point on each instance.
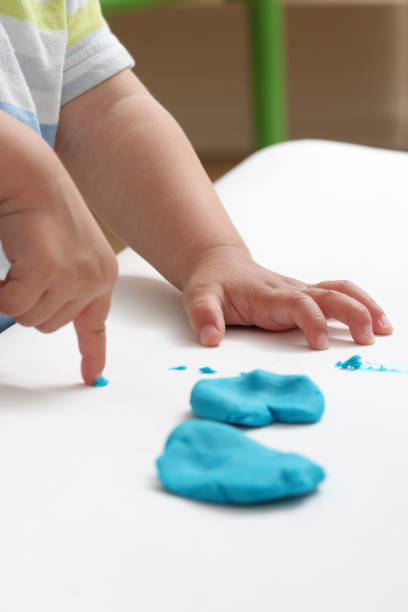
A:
(110, 7)
(268, 61)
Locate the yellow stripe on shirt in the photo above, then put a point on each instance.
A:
(84, 21)
(48, 15)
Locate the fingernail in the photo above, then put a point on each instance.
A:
(322, 341)
(383, 321)
(367, 334)
(208, 335)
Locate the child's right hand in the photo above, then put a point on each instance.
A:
(62, 267)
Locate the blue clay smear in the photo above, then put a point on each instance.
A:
(101, 382)
(218, 463)
(258, 398)
(182, 367)
(356, 363)
(208, 370)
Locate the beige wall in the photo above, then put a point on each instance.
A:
(347, 72)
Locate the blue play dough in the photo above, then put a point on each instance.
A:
(354, 363)
(207, 370)
(258, 398)
(182, 367)
(101, 382)
(218, 463)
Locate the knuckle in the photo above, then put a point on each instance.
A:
(359, 313)
(107, 268)
(197, 296)
(346, 285)
(47, 272)
(197, 289)
(364, 314)
(199, 305)
(113, 270)
(45, 266)
(99, 330)
(99, 274)
(329, 294)
(299, 299)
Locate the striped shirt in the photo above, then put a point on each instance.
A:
(51, 51)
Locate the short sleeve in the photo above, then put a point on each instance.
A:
(93, 52)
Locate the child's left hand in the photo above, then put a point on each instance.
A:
(228, 288)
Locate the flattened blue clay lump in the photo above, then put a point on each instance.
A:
(258, 398)
(218, 463)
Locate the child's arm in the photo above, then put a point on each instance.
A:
(137, 170)
(62, 268)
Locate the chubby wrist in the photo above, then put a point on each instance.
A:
(213, 258)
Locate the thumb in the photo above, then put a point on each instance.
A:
(90, 329)
(204, 310)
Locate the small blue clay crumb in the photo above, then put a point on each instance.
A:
(354, 363)
(207, 370)
(178, 368)
(101, 382)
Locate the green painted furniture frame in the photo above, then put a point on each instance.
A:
(268, 63)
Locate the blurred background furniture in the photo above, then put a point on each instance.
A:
(268, 65)
(346, 71)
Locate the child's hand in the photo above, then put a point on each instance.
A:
(62, 267)
(227, 287)
(169, 212)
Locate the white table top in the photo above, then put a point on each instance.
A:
(84, 524)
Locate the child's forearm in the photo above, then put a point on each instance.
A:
(22, 151)
(137, 170)
(135, 167)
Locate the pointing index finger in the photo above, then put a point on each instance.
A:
(91, 332)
